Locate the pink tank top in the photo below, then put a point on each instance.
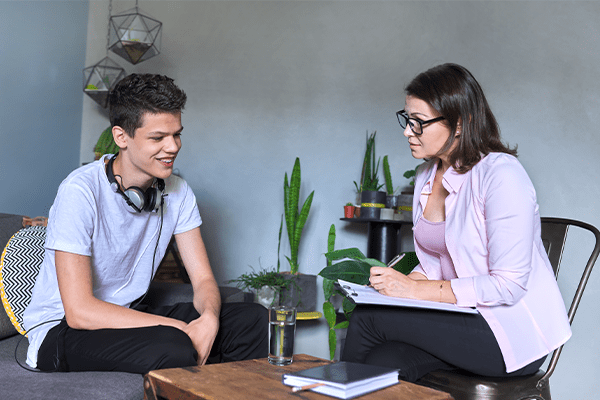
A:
(431, 237)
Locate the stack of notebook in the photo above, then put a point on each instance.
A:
(344, 380)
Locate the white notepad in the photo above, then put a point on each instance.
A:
(360, 294)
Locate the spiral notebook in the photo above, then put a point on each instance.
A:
(360, 294)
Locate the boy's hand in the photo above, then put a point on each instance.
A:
(203, 332)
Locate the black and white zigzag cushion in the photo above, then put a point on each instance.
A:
(19, 267)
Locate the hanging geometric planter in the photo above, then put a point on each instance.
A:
(100, 78)
(134, 36)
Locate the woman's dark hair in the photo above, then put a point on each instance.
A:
(137, 94)
(454, 93)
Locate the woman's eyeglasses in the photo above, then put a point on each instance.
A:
(416, 125)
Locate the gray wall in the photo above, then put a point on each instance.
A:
(271, 81)
(42, 52)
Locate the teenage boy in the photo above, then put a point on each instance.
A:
(109, 227)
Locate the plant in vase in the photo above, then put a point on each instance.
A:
(371, 198)
(302, 294)
(267, 285)
(353, 267)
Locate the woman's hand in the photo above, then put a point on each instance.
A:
(390, 282)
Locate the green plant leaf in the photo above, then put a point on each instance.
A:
(348, 306)
(342, 325)
(354, 271)
(410, 173)
(374, 263)
(331, 241)
(388, 176)
(352, 252)
(332, 343)
(293, 266)
(279, 243)
(264, 277)
(287, 208)
(408, 263)
(329, 313)
(301, 220)
(328, 288)
(294, 198)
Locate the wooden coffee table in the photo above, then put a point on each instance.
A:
(256, 379)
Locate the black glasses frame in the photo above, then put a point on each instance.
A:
(404, 120)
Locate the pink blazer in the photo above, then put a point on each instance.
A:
(493, 235)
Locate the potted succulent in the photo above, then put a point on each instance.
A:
(349, 210)
(371, 198)
(352, 266)
(302, 294)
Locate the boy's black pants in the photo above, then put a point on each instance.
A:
(243, 335)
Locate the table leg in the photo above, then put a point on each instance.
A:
(149, 390)
(382, 241)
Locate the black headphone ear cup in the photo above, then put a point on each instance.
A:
(152, 202)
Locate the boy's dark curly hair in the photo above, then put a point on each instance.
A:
(137, 94)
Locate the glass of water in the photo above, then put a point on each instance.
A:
(282, 329)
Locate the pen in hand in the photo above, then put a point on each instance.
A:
(396, 260)
(393, 262)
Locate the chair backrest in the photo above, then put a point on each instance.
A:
(554, 235)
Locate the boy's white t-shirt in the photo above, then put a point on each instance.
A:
(89, 218)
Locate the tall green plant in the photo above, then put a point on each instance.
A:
(295, 219)
(355, 268)
(329, 291)
(388, 176)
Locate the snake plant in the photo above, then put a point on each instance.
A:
(295, 219)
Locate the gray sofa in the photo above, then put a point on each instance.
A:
(22, 384)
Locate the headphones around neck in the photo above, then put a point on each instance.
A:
(138, 199)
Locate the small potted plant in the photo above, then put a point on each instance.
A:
(349, 210)
(371, 198)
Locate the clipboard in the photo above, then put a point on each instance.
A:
(360, 294)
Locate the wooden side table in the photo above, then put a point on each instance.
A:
(257, 379)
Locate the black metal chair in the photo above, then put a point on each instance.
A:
(465, 386)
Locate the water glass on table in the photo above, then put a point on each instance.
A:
(282, 329)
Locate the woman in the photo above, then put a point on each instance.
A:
(477, 235)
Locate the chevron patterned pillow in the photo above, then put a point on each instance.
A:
(19, 267)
